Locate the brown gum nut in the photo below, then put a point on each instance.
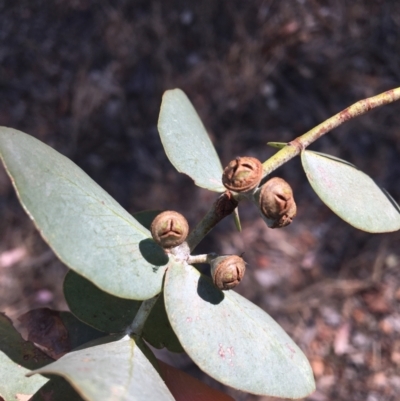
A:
(169, 229)
(227, 271)
(277, 203)
(242, 174)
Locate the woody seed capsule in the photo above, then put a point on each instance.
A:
(227, 271)
(169, 229)
(242, 174)
(276, 203)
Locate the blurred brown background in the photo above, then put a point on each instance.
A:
(87, 78)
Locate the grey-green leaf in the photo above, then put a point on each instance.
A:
(87, 229)
(78, 332)
(116, 370)
(351, 194)
(232, 339)
(14, 382)
(17, 358)
(187, 143)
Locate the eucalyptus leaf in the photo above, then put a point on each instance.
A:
(103, 311)
(233, 340)
(17, 358)
(116, 370)
(14, 383)
(187, 143)
(87, 229)
(236, 219)
(78, 332)
(350, 193)
(111, 314)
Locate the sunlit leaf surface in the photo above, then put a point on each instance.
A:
(87, 229)
(232, 339)
(350, 193)
(115, 370)
(187, 143)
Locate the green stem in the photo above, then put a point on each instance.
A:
(193, 259)
(222, 207)
(141, 316)
(294, 147)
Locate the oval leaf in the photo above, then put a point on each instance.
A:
(187, 143)
(116, 370)
(350, 193)
(87, 229)
(111, 314)
(232, 339)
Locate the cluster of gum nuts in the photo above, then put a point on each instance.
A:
(242, 176)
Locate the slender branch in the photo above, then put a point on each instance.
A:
(294, 147)
(141, 316)
(221, 208)
(193, 259)
(205, 258)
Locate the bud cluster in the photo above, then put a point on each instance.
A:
(242, 175)
(275, 197)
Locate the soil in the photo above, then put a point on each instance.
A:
(87, 78)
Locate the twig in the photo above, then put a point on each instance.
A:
(141, 316)
(222, 207)
(294, 147)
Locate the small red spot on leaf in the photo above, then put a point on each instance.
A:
(292, 351)
(221, 351)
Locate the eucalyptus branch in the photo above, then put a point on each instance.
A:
(222, 207)
(205, 258)
(141, 316)
(193, 259)
(294, 147)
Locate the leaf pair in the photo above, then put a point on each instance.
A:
(96, 369)
(227, 336)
